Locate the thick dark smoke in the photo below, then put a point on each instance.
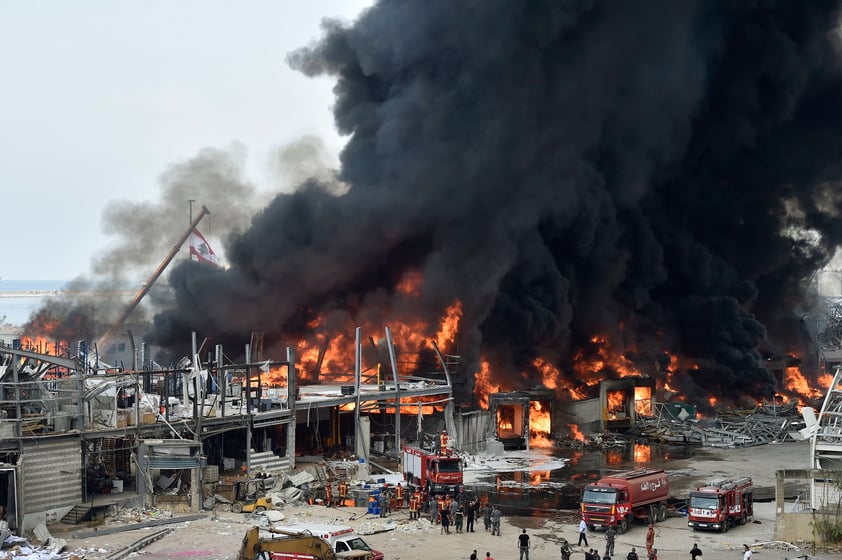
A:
(664, 174)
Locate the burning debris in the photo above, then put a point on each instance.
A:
(560, 231)
(759, 425)
(595, 226)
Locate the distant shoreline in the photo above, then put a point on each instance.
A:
(56, 293)
(32, 293)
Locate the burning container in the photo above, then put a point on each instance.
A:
(623, 400)
(522, 419)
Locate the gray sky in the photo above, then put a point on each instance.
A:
(99, 98)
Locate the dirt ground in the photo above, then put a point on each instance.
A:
(219, 535)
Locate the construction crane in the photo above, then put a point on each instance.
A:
(112, 330)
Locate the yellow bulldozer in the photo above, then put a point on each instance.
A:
(283, 545)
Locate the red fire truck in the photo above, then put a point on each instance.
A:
(619, 499)
(720, 504)
(434, 473)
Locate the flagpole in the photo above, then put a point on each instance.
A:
(144, 289)
(190, 202)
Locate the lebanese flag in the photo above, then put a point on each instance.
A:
(200, 249)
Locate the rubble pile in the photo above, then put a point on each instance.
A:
(43, 547)
(765, 423)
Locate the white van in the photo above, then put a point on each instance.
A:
(341, 538)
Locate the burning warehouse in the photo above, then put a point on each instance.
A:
(160, 429)
(561, 195)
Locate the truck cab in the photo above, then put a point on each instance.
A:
(721, 504)
(617, 500)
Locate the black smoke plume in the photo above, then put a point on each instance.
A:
(663, 174)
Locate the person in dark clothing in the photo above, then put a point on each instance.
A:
(474, 555)
(445, 520)
(695, 552)
(610, 536)
(632, 555)
(470, 512)
(523, 545)
(566, 552)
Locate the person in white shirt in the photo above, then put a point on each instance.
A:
(583, 533)
(747, 553)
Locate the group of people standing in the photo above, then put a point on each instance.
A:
(610, 538)
(459, 513)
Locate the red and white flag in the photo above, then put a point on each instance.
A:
(200, 249)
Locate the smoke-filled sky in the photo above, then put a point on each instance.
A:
(661, 174)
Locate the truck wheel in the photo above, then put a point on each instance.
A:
(724, 527)
(743, 519)
(237, 507)
(662, 512)
(653, 513)
(591, 528)
(623, 525)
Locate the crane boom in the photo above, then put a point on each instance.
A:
(144, 289)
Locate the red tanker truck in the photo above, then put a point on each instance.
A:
(720, 504)
(619, 499)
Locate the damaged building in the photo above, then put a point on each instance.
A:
(74, 433)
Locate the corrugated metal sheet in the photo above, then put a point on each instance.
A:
(51, 474)
(170, 462)
(268, 462)
(474, 430)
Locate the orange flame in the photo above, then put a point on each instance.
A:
(796, 384)
(575, 432)
(540, 424)
(483, 386)
(549, 374)
(642, 453)
(449, 327)
(537, 477)
(643, 401)
(411, 283)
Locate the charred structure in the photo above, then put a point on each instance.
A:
(595, 177)
(165, 434)
(594, 169)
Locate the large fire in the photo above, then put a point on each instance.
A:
(483, 386)
(326, 356)
(540, 424)
(797, 386)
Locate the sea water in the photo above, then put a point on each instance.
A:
(20, 298)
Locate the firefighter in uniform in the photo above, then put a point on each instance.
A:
(399, 496)
(343, 492)
(328, 494)
(413, 505)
